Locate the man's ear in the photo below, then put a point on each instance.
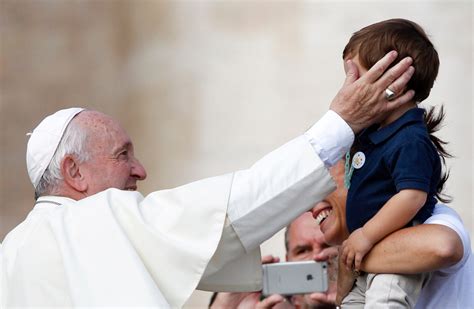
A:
(72, 175)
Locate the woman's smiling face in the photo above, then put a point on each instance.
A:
(330, 213)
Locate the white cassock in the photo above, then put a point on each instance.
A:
(120, 249)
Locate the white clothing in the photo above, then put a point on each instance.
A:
(118, 248)
(394, 291)
(451, 287)
(330, 137)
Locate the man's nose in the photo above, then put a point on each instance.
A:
(138, 170)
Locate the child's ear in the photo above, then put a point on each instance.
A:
(351, 70)
(346, 68)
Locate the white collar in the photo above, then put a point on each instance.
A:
(51, 200)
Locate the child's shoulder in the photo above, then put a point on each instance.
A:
(413, 132)
(409, 128)
(413, 136)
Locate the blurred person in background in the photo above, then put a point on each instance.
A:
(303, 242)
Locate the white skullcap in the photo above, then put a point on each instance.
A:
(44, 141)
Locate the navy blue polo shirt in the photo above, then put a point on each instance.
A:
(398, 156)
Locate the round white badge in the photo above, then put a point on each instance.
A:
(358, 160)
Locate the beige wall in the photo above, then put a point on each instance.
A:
(205, 87)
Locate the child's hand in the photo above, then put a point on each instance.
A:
(355, 248)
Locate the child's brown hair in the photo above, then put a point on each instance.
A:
(371, 43)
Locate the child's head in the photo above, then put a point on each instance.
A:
(371, 43)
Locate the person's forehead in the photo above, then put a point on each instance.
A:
(94, 119)
(303, 227)
(104, 129)
(304, 219)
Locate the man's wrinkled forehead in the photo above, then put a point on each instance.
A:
(96, 120)
(302, 228)
(101, 125)
(105, 135)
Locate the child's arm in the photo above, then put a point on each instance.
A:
(395, 214)
(421, 248)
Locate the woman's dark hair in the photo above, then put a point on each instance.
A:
(433, 123)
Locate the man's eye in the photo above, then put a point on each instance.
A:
(123, 154)
(302, 251)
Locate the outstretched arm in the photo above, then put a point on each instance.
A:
(422, 248)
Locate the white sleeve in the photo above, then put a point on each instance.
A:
(275, 190)
(331, 137)
(231, 268)
(288, 181)
(444, 215)
(264, 199)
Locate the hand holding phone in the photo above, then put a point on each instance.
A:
(295, 278)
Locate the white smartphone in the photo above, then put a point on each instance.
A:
(290, 278)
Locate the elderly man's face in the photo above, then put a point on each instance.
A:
(112, 163)
(331, 212)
